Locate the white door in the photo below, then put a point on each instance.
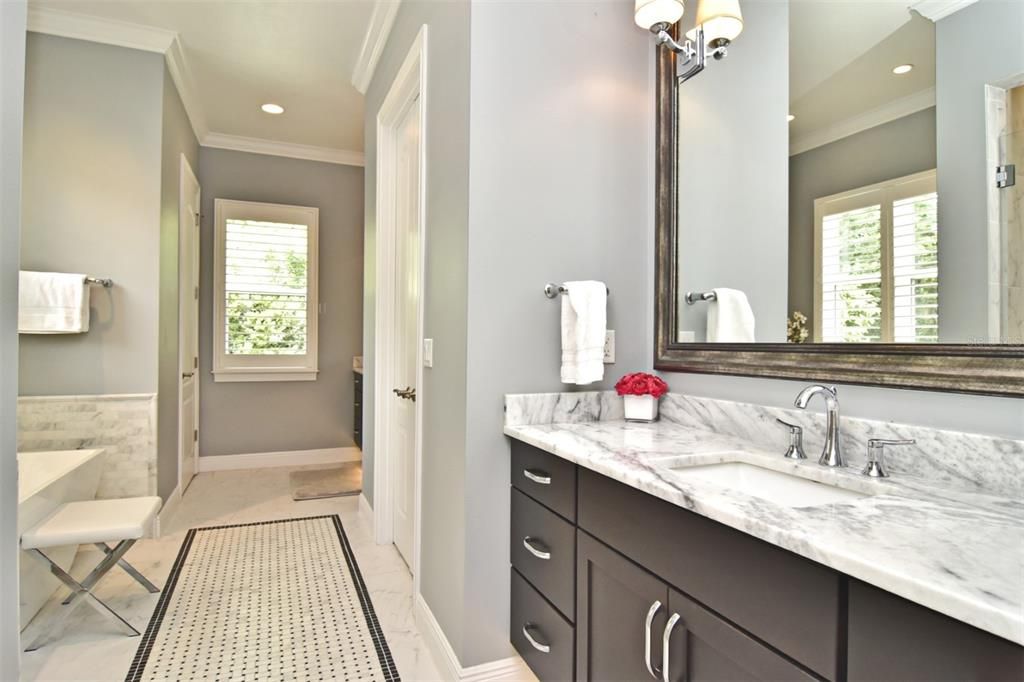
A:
(188, 324)
(407, 296)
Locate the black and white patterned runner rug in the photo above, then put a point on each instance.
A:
(280, 600)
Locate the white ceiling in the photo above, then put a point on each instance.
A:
(842, 53)
(295, 53)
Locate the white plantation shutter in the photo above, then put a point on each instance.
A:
(876, 263)
(265, 299)
(915, 269)
(851, 276)
(265, 288)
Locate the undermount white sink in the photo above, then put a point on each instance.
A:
(774, 486)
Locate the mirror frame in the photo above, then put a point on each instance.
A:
(962, 368)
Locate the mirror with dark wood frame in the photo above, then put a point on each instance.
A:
(835, 199)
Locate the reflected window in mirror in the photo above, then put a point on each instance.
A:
(876, 263)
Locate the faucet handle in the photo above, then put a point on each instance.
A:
(796, 440)
(876, 455)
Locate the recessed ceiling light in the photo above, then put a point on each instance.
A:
(902, 69)
(273, 108)
(790, 118)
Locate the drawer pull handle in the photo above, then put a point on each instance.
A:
(536, 549)
(539, 646)
(655, 607)
(665, 651)
(537, 476)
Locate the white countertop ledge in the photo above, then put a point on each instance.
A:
(958, 553)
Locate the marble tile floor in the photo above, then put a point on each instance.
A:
(91, 649)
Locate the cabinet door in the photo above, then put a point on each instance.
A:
(615, 598)
(706, 648)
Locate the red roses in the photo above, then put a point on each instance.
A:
(641, 383)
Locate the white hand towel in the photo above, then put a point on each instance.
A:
(52, 303)
(730, 318)
(584, 322)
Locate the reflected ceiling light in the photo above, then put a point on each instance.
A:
(718, 23)
(272, 108)
(902, 69)
(790, 118)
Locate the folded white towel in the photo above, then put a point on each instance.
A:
(584, 322)
(52, 303)
(730, 318)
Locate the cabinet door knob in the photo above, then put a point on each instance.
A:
(665, 651)
(536, 549)
(538, 476)
(651, 668)
(539, 646)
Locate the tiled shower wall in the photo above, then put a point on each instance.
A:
(123, 425)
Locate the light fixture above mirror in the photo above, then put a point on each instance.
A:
(719, 22)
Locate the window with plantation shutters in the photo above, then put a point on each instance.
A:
(266, 294)
(876, 263)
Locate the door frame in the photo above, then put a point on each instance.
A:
(186, 172)
(409, 82)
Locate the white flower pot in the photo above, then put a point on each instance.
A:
(640, 408)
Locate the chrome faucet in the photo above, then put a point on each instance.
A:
(831, 454)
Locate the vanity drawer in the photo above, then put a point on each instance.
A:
(790, 603)
(544, 551)
(548, 479)
(534, 617)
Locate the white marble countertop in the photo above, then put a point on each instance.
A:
(959, 553)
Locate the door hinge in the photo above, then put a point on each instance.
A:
(195, 363)
(197, 220)
(195, 435)
(196, 292)
(1006, 176)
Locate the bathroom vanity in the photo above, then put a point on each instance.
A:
(636, 555)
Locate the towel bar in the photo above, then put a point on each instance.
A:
(552, 290)
(103, 282)
(694, 297)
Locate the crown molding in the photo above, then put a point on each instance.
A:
(939, 9)
(177, 66)
(890, 111)
(255, 145)
(125, 34)
(99, 30)
(381, 21)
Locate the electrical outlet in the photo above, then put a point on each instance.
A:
(609, 347)
(428, 352)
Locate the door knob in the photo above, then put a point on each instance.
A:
(407, 393)
(186, 375)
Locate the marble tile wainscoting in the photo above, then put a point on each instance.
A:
(123, 425)
(948, 459)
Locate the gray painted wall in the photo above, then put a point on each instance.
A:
(92, 204)
(177, 140)
(994, 30)
(891, 150)
(243, 417)
(733, 118)
(560, 170)
(445, 307)
(12, 89)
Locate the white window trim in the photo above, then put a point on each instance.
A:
(886, 194)
(265, 367)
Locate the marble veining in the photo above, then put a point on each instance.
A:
(124, 426)
(958, 552)
(564, 408)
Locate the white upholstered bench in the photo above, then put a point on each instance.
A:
(96, 522)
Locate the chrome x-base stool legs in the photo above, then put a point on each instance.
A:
(82, 591)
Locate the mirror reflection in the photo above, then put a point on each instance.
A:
(841, 180)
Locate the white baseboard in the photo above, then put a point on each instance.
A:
(168, 509)
(364, 507)
(263, 460)
(512, 669)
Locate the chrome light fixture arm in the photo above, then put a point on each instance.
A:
(693, 53)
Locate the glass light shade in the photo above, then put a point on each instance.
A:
(721, 19)
(647, 13)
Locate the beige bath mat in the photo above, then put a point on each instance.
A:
(339, 481)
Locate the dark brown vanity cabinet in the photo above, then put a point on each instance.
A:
(603, 575)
